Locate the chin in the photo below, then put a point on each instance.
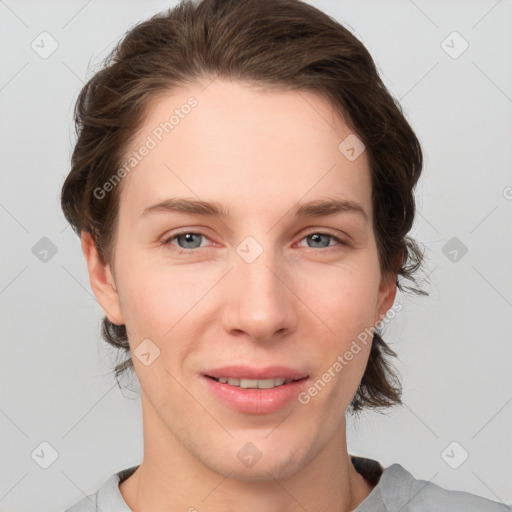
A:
(271, 470)
(276, 465)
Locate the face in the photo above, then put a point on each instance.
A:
(256, 286)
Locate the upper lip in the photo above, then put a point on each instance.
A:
(246, 372)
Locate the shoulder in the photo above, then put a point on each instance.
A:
(107, 498)
(87, 504)
(399, 490)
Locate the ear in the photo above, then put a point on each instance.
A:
(102, 280)
(386, 295)
(387, 289)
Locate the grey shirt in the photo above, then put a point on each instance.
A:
(395, 490)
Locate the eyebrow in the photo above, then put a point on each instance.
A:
(316, 208)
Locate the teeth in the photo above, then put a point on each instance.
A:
(254, 383)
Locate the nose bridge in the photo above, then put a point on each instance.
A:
(259, 303)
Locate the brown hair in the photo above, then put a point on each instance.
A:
(280, 44)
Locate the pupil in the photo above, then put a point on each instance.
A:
(189, 239)
(316, 237)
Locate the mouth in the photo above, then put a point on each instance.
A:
(255, 383)
(253, 390)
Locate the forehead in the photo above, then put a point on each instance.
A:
(245, 147)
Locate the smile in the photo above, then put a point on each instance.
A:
(254, 383)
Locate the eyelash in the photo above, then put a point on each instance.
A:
(167, 242)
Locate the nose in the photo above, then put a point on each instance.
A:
(259, 300)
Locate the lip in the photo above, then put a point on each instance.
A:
(246, 372)
(255, 401)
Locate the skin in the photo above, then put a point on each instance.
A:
(299, 304)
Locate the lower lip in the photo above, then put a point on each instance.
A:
(256, 401)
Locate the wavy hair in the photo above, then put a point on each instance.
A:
(275, 44)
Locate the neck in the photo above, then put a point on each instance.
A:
(170, 473)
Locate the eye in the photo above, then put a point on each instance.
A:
(189, 241)
(322, 239)
(188, 238)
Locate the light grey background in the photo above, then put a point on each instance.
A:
(454, 346)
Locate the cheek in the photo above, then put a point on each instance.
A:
(154, 297)
(335, 302)
(343, 346)
(343, 300)
(344, 296)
